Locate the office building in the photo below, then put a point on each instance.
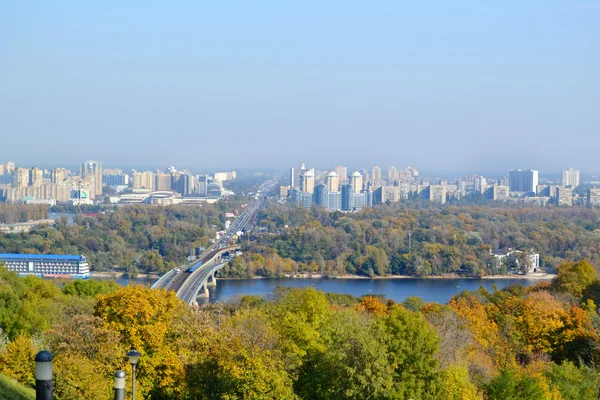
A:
(593, 198)
(202, 188)
(376, 175)
(356, 182)
(115, 179)
(91, 171)
(333, 182)
(523, 181)
(342, 173)
(143, 180)
(225, 176)
(570, 177)
(162, 181)
(47, 265)
(307, 181)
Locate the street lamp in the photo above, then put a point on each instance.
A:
(134, 356)
(43, 375)
(119, 385)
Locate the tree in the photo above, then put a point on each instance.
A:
(244, 362)
(456, 385)
(16, 361)
(143, 318)
(509, 386)
(411, 347)
(575, 383)
(574, 277)
(351, 365)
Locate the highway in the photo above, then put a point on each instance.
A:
(187, 284)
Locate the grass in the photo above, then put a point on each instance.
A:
(12, 390)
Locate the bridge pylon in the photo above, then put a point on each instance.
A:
(211, 280)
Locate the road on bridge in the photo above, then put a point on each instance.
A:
(187, 284)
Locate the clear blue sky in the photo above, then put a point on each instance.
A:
(440, 85)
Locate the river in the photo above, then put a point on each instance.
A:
(434, 290)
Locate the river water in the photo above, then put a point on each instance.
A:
(430, 290)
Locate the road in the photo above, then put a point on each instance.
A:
(185, 283)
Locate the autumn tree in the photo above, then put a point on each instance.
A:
(574, 277)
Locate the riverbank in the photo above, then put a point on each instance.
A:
(117, 275)
(534, 276)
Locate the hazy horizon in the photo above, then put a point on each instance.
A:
(453, 87)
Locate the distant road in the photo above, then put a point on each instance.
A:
(187, 284)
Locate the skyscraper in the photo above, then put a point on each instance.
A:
(356, 182)
(570, 177)
(162, 181)
(333, 182)
(307, 181)
(20, 178)
(376, 175)
(91, 171)
(393, 175)
(36, 177)
(58, 175)
(143, 180)
(342, 173)
(523, 181)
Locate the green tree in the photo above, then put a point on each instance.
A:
(574, 277)
(352, 364)
(509, 386)
(411, 347)
(575, 383)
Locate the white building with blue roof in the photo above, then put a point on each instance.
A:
(47, 265)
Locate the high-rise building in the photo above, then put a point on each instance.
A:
(356, 182)
(376, 175)
(2, 169)
(342, 173)
(36, 176)
(436, 193)
(496, 193)
(10, 167)
(393, 175)
(333, 182)
(593, 198)
(292, 177)
(58, 175)
(162, 181)
(143, 180)
(307, 181)
(91, 171)
(20, 178)
(570, 177)
(564, 196)
(480, 184)
(523, 181)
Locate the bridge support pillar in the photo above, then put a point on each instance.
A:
(212, 280)
(203, 291)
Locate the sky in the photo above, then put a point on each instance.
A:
(447, 86)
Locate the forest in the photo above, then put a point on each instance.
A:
(400, 240)
(145, 237)
(532, 343)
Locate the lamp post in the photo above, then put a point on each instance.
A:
(119, 385)
(43, 375)
(134, 356)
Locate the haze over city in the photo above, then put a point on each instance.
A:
(452, 87)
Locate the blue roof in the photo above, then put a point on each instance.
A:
(41, 257)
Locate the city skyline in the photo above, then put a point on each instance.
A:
(442, 86)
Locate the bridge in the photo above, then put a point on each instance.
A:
(196, 277)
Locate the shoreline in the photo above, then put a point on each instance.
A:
(115, 275)
(536, 276)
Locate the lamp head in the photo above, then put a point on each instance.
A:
(134, 356)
